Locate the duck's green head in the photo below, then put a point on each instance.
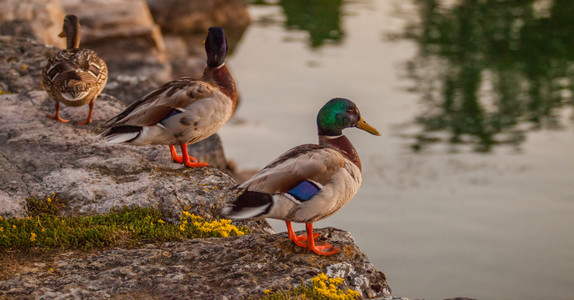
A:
(215, 47)
(338, 114)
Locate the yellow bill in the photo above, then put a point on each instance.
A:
(362, 124)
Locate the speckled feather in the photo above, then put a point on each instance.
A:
(74, 76)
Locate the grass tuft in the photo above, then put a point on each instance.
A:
(49, 204)
(130, 227)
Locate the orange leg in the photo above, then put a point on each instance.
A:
(174, 157)
(323, 249)
(190, 161)
(300, 240)
(57, 115)
(89, 119)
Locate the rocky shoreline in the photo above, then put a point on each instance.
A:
(39, 157)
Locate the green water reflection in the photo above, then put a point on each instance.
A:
(490, 71)
(320, 18)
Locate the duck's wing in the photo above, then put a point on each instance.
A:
(306, 163)
(171, 97)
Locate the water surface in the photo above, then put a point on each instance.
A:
(470, 189)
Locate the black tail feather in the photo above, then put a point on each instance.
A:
(122, 130)
(249, 201)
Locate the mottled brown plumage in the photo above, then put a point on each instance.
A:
(74, 77)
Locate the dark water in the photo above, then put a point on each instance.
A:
(470, 189)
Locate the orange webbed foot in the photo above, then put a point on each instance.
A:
(301, 240)
(323, 249)
(188, 161)
(57, 118)
(86, 122)
(195, 164)
(320, 248)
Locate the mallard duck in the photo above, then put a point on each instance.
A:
(74, 76)
(183, 111)
(309, 182)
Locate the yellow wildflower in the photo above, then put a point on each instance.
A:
(161, 221)
(185, 212)
(33, 237)
(328, 287)
(222, 227)
(51, 270)
(13, 226)
(182, 227)
(49, 200)
(267, 291)
(1, 229)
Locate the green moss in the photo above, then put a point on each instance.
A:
(44, 229)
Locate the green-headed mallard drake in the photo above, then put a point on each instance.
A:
(183, 111)
(309, 182)
(74, 76)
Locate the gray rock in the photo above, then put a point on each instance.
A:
(39, 156)
(22, 60)
(125, 36)
(44, 17)
(184, 25)
(18, 27)
(183, 16)
(212, 268)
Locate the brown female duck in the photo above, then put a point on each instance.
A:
(74, 76)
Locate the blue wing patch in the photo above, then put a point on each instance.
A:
(175, 112)
(304, 191)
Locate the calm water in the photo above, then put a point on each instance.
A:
(470, 189)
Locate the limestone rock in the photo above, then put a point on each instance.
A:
(21, 63)
(39, 156)
(45, 18)
(183, 16)
(186, 54)
(185, 23)
(124, 34)
(212, 268)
